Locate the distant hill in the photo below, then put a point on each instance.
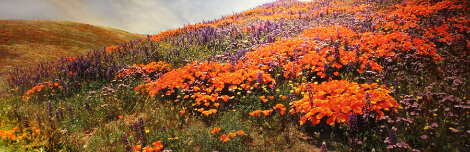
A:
(24, 43)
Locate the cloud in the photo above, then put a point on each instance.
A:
(137, 16)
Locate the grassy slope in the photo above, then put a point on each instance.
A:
(100, 129)
(25, 43)
(111, 115)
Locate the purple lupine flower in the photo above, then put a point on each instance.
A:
(352, 122)
(125, 142)
(336, 48)
(295, 54)
(139, 128)
(136, 128)
(269, 39)
(349, 67)
(259, 78)
(331, 39)
(367, 104)
(357, 53)
(325, 67)
(69, 108)
(317, 37)
(352, 126)
(273, 90)
(61, 112)
(309, 87)
(324, 147)
(392, 138)
(49, 108)
(87, 105)
(26, 122)
(38, 119)
(57, 116)
(292, 96)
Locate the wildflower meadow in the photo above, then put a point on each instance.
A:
(322, 75)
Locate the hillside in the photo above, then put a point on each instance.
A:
(326, 75)
(25, 43)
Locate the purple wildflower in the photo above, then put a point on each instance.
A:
(324, 147)
(38, 119)
(26, 122)
(424, 137)
(292, 96)
(49, 108)
(87, 105)
(259, 78)
(139, 128)
(57, 116)
(69, 108)
(125, 142)
(352, 122)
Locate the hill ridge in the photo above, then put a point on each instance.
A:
(26, 42)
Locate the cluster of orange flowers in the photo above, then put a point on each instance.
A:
(204, 82)
(444, 34)
(8, 134)
(111, 48)
(215, 130)
(407, 16)
(414, 10)
(149, 69)
(208, 112)
(226, 137)
(11, 134)
(291, 10)
(43, 88)
(304, 53)
(338, 98)
(157, 146)
(280, 107)
(335, 32)
(385, 45)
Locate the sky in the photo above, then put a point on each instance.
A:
(136, 16)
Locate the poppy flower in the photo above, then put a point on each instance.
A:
(232, 135)
(224, 138)
(215, 130)
(263, 99)
(157, 145)
(137, 147)
(240, 132)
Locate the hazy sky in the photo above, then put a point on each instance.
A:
(137, 16)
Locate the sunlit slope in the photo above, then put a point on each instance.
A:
(24, 43)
